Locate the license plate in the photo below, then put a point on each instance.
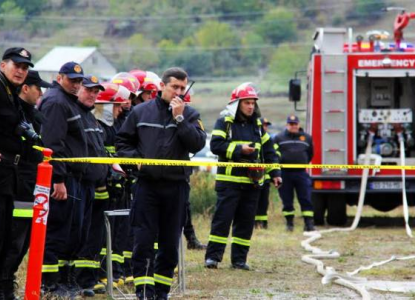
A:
(385, 185)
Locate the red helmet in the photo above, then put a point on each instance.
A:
(139, 74)
(150, 86)
(113, 93)
(244, 91)
(128, 81)
(153, 77)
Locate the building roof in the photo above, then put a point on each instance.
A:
(58, 56)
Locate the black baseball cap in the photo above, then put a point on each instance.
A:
(33, 78)
(293, 119)
(265, 121)
(72, 70)
(18, 55)
(92, 81)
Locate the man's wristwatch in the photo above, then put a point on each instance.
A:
(179, 118)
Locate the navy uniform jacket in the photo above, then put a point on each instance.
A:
(94, 173)
(11, 142)
(150, 131)
(227, 139)
(63, 131)
(295, 148)
(30, 157)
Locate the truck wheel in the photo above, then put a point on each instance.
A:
(320, 207)
(336, 210)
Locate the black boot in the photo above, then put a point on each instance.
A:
(308, 224)
(194, 244)
(290, 223)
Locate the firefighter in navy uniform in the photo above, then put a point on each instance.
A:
(14, 68)
(86, 261)
(29, 93)
(108, 110)
(63, 131)
(161, 129)
(238, 137)
(296, 147)
(261, 217)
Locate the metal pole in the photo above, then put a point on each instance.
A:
(109, 258)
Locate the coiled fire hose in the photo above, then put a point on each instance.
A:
(348, 280)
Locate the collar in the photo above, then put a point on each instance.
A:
(55, 84)
(162, 103)
(84, 107)
(26, 106)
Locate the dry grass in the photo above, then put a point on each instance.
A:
(277, 269)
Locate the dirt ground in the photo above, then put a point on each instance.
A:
(278, 272)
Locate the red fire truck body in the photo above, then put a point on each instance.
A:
(354, 89)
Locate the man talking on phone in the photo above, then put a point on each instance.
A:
(161, 129)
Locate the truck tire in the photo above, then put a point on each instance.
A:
(320, 208)
(336, 210)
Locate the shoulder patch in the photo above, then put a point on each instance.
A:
(302, 138)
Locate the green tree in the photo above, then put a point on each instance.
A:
(277, 26)
(13, 15)
(216, 34)
(287, 59)
(141, 54)
(32, 7)
(90, 42)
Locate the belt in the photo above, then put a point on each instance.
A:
(11, 159)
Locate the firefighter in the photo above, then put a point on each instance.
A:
(107, 110)
(69, 191)
(296, 147)
(161, 129)
(261, 218)
(87, 258)
(28, 94)
(14, 68)
(147, 92)
(238, 137)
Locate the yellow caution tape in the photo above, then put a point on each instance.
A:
(186, 163)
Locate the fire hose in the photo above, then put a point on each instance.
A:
(348, 280)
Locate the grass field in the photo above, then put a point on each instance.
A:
(278, 272)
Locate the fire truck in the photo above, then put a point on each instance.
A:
(360, 105)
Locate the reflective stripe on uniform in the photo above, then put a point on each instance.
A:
(237, 179)
(265, 138)
(127, 254)
(143, 280)
(50, 268)
(110, 149)
(220, 133)
(63, 263)
(229, 119)
(261, 218)
(229, 151)
(308, 213)
(103, 251)
(240, 241)
(156, 246)
(287, 213)
(117, 258)
(102, 195)
(22, 213)
(218, 239)
(163, 279)
(91, 264)
(277, 151)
